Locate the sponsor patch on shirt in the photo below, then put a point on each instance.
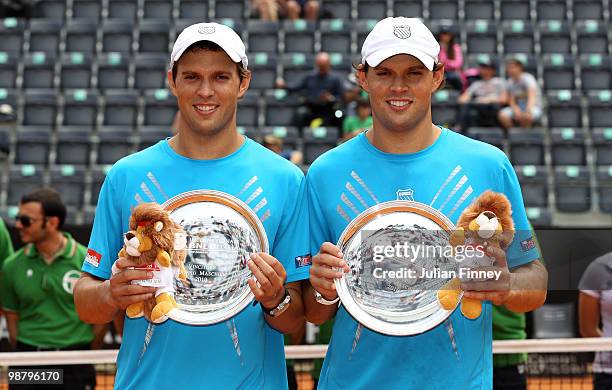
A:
(93, 258)
(303, 261)
(528, 244)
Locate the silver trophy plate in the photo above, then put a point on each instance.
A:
(222, 232)
(395, 292)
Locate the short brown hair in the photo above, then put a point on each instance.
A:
(209, 46)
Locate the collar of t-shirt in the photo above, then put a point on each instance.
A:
(68, 251)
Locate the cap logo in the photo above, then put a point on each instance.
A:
(402, 32)
(206, 29)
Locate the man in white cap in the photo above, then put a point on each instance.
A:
(208, 75)
(407, 157)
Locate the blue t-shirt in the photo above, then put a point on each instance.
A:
(193, 357)
(448, 176)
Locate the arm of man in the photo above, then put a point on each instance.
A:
(99, 331)
(588, 315)
(12, 318)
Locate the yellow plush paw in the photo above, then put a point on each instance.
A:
(160, 312)
(135, 310)
(448, 295)
(471, 308)
(163, 258)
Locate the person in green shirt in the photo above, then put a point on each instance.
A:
(37, 283)
(354, 125)
(6, 246)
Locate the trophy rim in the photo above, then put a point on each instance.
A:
(432, 314)
(246, 297)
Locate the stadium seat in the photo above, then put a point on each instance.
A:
(296, 66)
(299, 36)
(444, 9)
(150, 70)
(408, 7)
(150, 135)
(81, 36)
(444, 107)
(158, 9)
(568, 147)
(318, 141)
(98, 174)
(73, 145)
(86, 9)
(515, 10)
(230, 9)
(479, 10)
(553, 321)
(49, 9)
(114, 142)
(289, 134)
(591, 37)
(481, 37)
(39, 70)
(5, 141)
(263, 36)
(40, 108)
(363, 28)
(69, 181)
(160, 107)
(341, 63)
(117, 36)
(80, 107)
(122, 9)
(539, 216)
(534, 185)
(558, 72)
(595, 72)
(263, 66)
(335, 9)
(196, 9)
(33, 145)
(572, 189)
(23, 179)
(600, 108)
(8, 70)
(555, 37)
(371, 9)
(564, 109)
(153, 37)
(76, 71)
(281, 108)
(602, 143)
(604, 188)
(120, 108)
(11, 35)
(518, 37)
(45, 35)
(526, 146)
(113, 71)
(490, 135)
(335, 36)
(587, 9)
(248, 109)
(550, 10)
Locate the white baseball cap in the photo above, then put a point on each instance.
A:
(400, 35)
(220, 34)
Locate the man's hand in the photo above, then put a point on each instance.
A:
(123, 292)
(269, 289)
(497, 290)
(324, 270)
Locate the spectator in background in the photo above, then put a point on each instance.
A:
(323, 92)
(6, 245)
(353, 125)
(595, 307)
(481, 102)
(452, 58)
(275, 144)
(37, 285)
(523, 96)
(308, 9)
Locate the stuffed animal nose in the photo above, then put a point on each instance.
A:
(129, 236)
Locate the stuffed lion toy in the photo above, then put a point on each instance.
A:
(486, 222)
(155, 243)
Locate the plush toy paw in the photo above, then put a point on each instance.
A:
(135, 310)
(448, 297)
(165, 303)
(163, 258)
(471, 308)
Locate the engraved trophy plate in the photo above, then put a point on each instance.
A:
(222, 232)
(395, 292)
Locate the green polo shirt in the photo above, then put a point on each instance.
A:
(353, 123)
(6, 246)
(42, 295)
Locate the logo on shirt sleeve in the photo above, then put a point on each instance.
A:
(528, 244)
(93, 258)
(303, 261)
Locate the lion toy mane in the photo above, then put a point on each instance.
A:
(486, 222)
(157, 244)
